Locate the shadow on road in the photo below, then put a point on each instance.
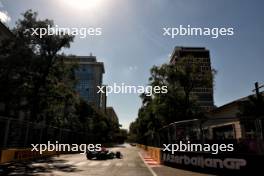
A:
(36, 167)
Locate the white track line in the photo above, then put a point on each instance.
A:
(81, 163)
(93, 163)
(70, 162)
(149, 168)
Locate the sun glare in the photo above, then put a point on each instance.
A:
(83, 4)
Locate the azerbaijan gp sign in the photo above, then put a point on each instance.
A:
(204, 162)
(221, 164)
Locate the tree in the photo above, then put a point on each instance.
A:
(38, 72)
(46, 49)
(38, 79)
(180, 80)
(121, 136)
(177, 104)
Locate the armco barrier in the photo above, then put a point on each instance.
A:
(10, 155)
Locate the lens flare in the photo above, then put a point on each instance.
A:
(83, 4)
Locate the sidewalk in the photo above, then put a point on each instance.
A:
(161, 170)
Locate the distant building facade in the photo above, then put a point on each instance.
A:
(89, 76)
(5, 32)
(202, 55)
(111, 114)
(103, 100)
(226, 122)
(223, 123)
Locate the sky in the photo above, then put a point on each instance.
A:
(132, 39)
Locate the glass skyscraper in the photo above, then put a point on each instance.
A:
(89, 76)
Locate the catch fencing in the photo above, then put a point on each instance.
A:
(16, 133)
(246, 136)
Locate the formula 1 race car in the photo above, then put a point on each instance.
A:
(103, 154)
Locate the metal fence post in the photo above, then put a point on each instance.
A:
(26, 135)
(41, 133)
(6, 132)
(60, 135)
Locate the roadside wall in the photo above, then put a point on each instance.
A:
(153, 152)
(222, 163)
(10, 155)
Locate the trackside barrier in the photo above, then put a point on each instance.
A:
(153, 152)
(10, 155)
(222, 163)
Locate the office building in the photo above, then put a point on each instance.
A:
(103, 100)
(111, 114)
(89, 75)
(203, 94)
(5, 32)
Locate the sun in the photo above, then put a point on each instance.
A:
(83, 4)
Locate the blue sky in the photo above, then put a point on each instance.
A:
(132, 40)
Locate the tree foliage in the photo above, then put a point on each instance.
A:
(36, 80)
(177, 104)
